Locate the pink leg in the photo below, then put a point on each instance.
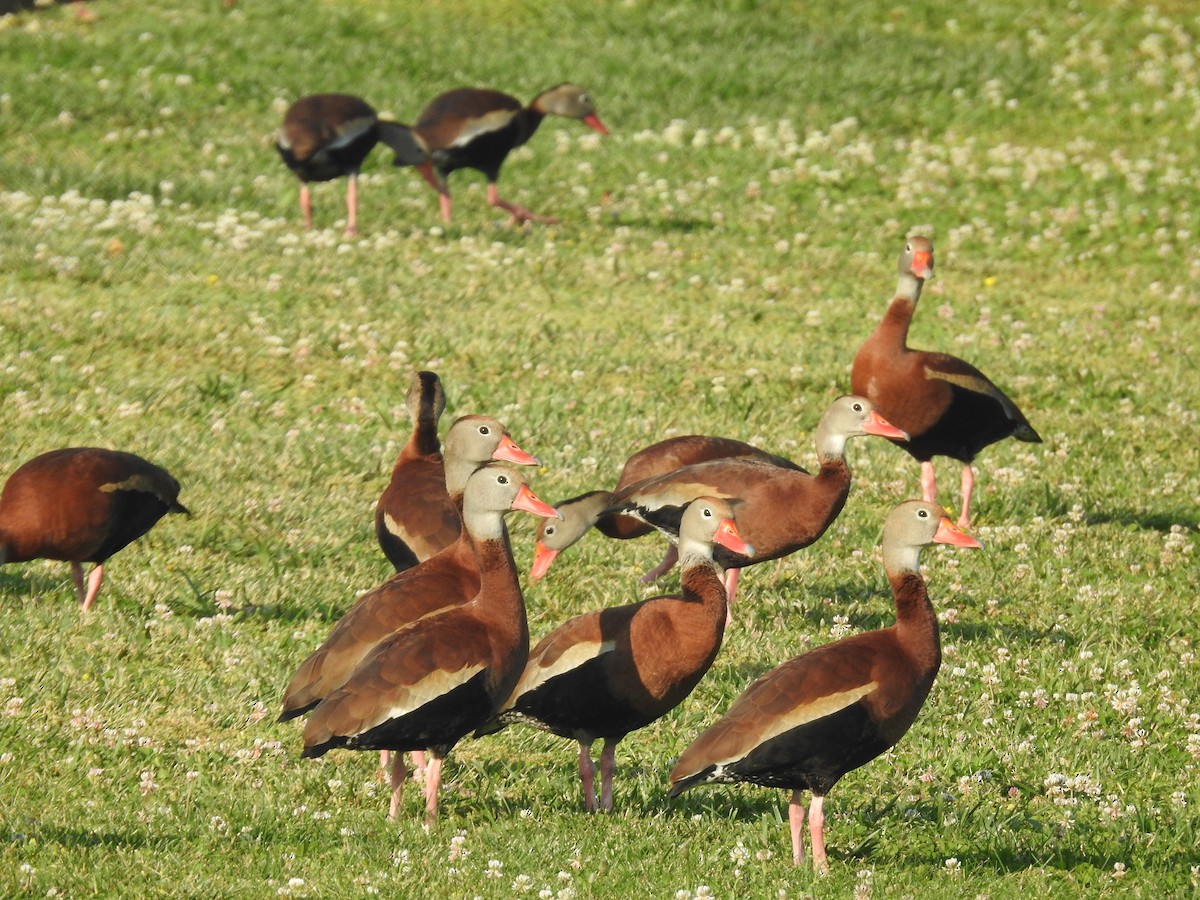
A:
(306, 205)
(816, 830)
(433, 780)
(399, 774)
(519, 213)
(93, 586)
(77, 575)
(968, 485)
(385, 757)
(587, 776)
(352, 205)
(608, 765)
(732, 576)
(418, 761)
(444, 202)
(928, 482)
(668, 562)
(796, 823)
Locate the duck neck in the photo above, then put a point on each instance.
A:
(916, 624)
(499, 588)
(900, 311)
(703, 584)
(424, 439)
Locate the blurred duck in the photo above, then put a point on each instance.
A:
(476, 128)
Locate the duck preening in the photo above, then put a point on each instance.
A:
(808, 722)
(947, 406)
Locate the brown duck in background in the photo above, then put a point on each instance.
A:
(82, 504)
(327, 136)
(580, 514)
(476, 128)
(947, 406)
(609, 672)
(779, 510)
(443, 676)
(808, 722)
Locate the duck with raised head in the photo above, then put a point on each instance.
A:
(581, 513)
(808, 722)
(611, 671)
(476, 128)
(947, 406)
(327, 136)
(779, 510)
(82, 504)
(447, 578)
(443, 676)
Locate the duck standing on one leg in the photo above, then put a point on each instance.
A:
(808, 722)
(947, 406)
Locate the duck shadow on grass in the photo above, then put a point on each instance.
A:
(83, 838)
(1162, 520)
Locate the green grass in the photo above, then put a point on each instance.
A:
(722, 254)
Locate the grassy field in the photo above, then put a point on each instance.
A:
(721, 255)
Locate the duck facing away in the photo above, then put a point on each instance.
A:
(580, 514)
(444, 675)
(418, 513)
(779, 510)
(476, 128)
(328, 136)
(947, 406)
(82, 504)
(609, 672)
(805, 724)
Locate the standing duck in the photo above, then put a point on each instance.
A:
(609, 672)
(580, 513)
(327, 136)
(805, 724)
(447, 578)
(418, 512)
(82, 504)
(476, 128)
(947, 406)
(445, 675)
(779, 510)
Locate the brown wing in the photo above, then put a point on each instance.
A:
(457, 116)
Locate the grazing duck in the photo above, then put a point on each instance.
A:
(580, 513)
(327, 136)
(447, 578)
(475, 128)
(947, 406)
(805, 724)
(445, 675)
(82, 504)
(609, 672)
(779, 510)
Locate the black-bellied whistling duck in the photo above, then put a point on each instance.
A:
(805, 724)
(779, 510)
(580, 513)
(418, 512)
(947, 406)
(327, 136)
(476, 128)
(82, 504)
(609, 672)
(447, 578)
(445, 675)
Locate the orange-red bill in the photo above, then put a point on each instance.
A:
(922, 264)
(729, 537)
(508, 451)
(949, 533)
(877, 424)
(543, 558)
(593, 122)
(528, 501)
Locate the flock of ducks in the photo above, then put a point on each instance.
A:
(441, 650)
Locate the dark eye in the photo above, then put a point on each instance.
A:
(549, 530)
(502, 479)
(908, 248)
(923, 513)
(707, 513)
(483, 429)
(858, 407)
